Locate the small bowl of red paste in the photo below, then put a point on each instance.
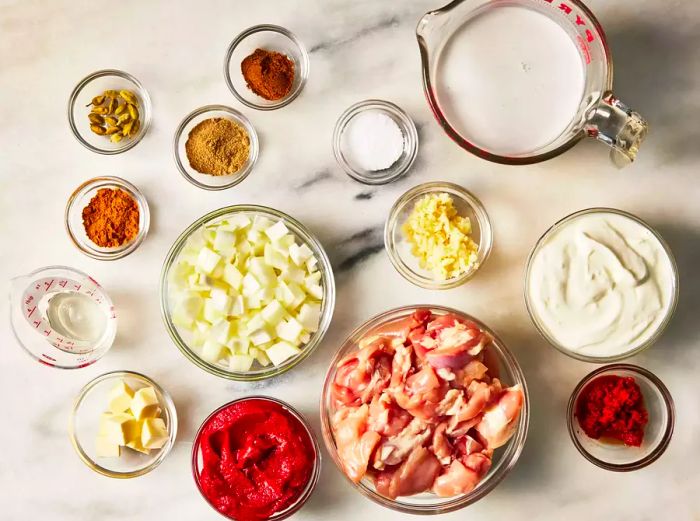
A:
(621, 417)
(256, 459)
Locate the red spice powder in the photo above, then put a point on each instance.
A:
(612, 407)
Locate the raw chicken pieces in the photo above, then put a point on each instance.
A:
(419, 407)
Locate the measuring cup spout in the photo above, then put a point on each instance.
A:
(619, 127)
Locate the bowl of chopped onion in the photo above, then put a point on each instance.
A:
(247, 292)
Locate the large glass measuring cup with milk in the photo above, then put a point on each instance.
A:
(62, 317)
(521, 81)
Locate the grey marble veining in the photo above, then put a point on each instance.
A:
(359, 49)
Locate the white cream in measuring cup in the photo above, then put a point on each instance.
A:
(511, 80)
(600, 284)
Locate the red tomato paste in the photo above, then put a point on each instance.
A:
(256, 459)
(612, 407)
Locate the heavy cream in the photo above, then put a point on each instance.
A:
(601, 284)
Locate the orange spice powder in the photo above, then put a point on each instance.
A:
(112, 218)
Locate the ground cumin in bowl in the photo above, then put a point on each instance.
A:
(107, 218)
(266, 67)
(215, 147)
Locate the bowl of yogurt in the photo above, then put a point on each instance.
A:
(601, 285)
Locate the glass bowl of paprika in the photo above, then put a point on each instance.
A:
(621, 417)
(266, 67)
(107, 218)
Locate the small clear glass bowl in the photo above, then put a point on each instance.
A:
(206, 181)
(402, 164)
(304, 236)
(81, 197)
(89, 405)
(313, 480)
(657, 434)
(504, 458)
(270, 38)
(94, 85)
(600, 359)
(399, 249)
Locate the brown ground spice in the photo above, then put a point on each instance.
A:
(218, 146)
(269, 74)
(112, 218)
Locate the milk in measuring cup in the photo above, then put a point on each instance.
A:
(75, 316)
(511, 80)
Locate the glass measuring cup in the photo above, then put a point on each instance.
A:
(51, 311)
(597, 113)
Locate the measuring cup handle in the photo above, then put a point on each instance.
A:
(619, 127)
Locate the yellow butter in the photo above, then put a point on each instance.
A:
(138, 446)
(120, 397)
(145, 403)
(106, 449)
(117, 428)
(154, 433)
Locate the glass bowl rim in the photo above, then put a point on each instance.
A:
(408, 130)
(484, 222)
(172, 427)
(313, 479)
(662, 325)
(667, 400)
(145, 121)
(144, 217)
(328, 303)
(304, 61)
(237, 177)
(16, 333)
(514, 446)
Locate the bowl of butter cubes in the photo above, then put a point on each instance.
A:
(123, 424)
(247, 292)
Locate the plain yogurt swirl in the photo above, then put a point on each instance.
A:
(600, 284)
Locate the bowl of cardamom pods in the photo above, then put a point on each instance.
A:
(109, 111)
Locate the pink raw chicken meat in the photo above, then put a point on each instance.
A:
(419, 406)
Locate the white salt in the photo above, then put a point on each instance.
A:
(372, 141)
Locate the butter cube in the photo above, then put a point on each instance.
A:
(118, 428)
(145, 403)
(106, 449)
(120, 397)
(137, 445)
(104, 418)
(154, 433)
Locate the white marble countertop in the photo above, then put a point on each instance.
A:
(359, 49)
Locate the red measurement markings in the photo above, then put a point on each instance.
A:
(94, 281)
(77, 287)
(30, 311)
(63, 283)
(567, 9)
(49, 284)
(46, 363)
(37, 323)
(47, 332)
(29, 300)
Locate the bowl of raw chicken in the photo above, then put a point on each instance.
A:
(424, 409)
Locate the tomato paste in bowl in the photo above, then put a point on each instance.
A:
(255, 459)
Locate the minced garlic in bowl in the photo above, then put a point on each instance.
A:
(438, 235)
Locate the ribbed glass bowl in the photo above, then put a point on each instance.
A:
(92, 401)
(304, 236)
(504, 458)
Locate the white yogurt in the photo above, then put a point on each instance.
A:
(510, 80)
(601, 284)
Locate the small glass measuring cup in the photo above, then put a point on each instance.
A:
(599, 115)
(39, 322)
